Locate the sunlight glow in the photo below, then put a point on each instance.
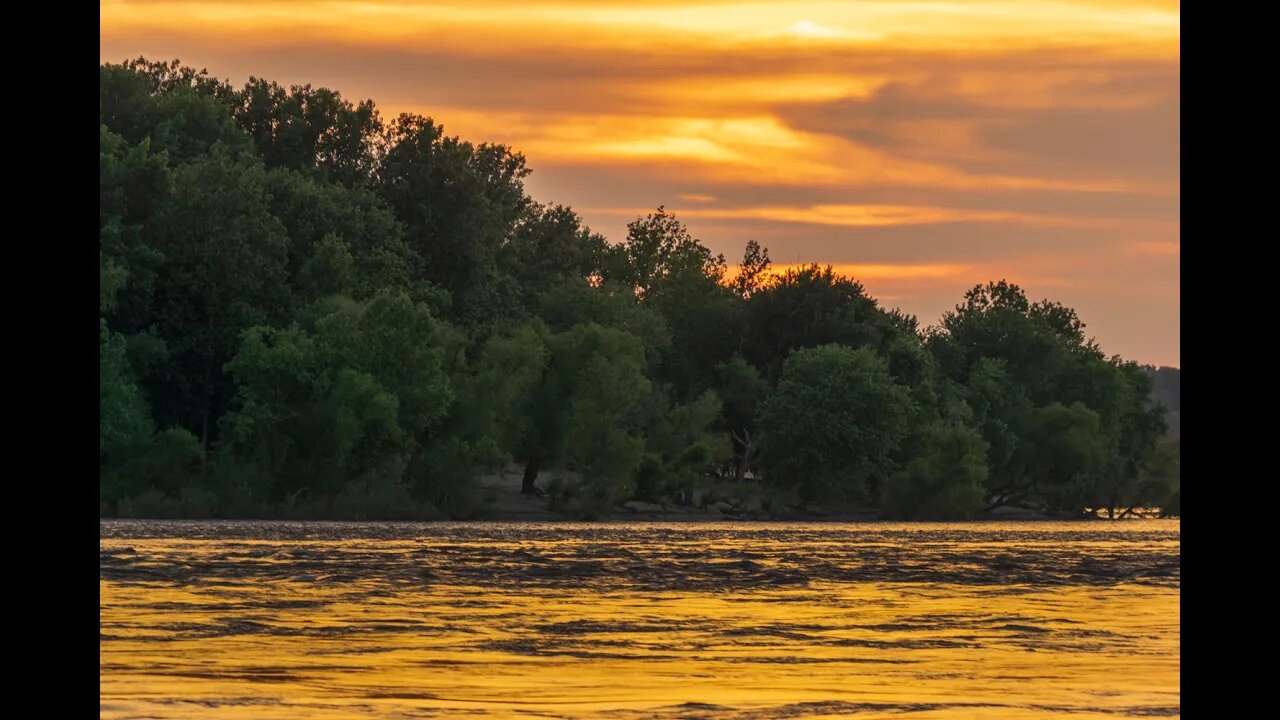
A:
(1035, 117)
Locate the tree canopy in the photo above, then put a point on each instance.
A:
(306, 309)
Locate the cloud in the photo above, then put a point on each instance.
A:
(1036, 139)
(1121, 125)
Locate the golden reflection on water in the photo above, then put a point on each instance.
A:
(233, 629)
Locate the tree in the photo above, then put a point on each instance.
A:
(177, 109)
(1065, 425)
(219, 268)
(1133, 427)
(609, 304)
(1061, 449)
(312, 130)
(753, 270)
(133, 457)
(945, 481)
(1161, 481)
(1037, 341)
(311, 426)
(1001, 413)
(659, 249)
(1168, 392)
(550, 248)
(583, 415)
(743, 390)
(359, 391)
(833, 424)
(357, 318)
(603, 439)
(680, 445)
(133, 184)
(806, 308)
(459, 204)
(123, 417)
(313, 211)
(675, 274)
(486, 423)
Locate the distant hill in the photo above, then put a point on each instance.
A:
(1168, 392)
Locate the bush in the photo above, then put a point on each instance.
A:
(446, 477)
(945, 482)
(197, 503)
(381, 497)
(165, 461)
(583, 498)
(150, 504)
(652, 478)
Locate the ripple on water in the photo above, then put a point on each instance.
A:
(726, 620)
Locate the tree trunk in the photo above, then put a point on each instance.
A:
(1007, 497)
(204, 448)
(739, 458)
(530, 474)
(411, 467)
(745, 448)
(204, 420)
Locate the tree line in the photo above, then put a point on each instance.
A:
(309, 310)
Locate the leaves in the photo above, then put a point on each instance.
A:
(833, 423)
(302, 303)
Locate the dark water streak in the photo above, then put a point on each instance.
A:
(656, 556)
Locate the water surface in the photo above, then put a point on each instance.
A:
(654, 620)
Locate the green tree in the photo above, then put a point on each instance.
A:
(743, 391)
(1065, 426)
(810, 307)
(123, 419)
(486, 423)
(221, 269)
(681, 445)
(359, 392)
(675, 274)
(361, 317)
(549, 249)
(459, 204)
(312, 130)
(133, 457)
(834, 423)
(659, 249)
(609, 304)
(945, 481)
(1062, 448)
(1037, 341)
(320, 217)
(1001, 412)
(584, 414)
(177, 109)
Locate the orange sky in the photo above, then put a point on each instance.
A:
(920, 146)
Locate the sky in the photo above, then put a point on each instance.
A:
(922, 147)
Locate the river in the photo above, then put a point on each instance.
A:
(263, 620)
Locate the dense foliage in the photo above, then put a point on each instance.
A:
(307, 310)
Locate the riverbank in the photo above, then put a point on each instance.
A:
(496, 497)
(507, 503)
